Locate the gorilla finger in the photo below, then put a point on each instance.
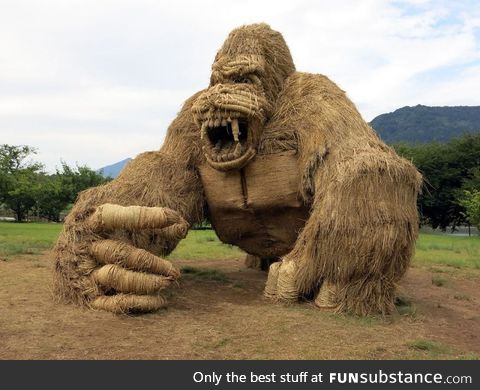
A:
(118, 252)
(128, 303)
(175, 232)
(111, 216)
(125, 281)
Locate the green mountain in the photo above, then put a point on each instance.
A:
(421, 124)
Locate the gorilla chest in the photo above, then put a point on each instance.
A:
(259, 207)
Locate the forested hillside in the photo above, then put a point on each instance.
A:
(422, 124)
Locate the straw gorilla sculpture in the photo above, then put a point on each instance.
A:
(283, 166)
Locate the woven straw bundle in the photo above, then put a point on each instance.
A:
(342, 209)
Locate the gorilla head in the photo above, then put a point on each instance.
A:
(248, 74)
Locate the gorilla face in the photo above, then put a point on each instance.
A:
(231, 113)
(247, 76)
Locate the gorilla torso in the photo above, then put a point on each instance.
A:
(259, 207)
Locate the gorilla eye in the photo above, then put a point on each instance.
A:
(242, 80)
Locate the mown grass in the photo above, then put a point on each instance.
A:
(204, 274)
(432, 348)
(405, 306)
(204, 244)
(453, 251)
(32, 238)
(26, 238)
(439, 281)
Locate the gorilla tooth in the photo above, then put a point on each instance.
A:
(238, 150)
(203, 131)
(235, 129)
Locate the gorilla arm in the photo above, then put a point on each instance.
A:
(360, 235)
(106, 256)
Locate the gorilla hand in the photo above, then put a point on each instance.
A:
(128, 278)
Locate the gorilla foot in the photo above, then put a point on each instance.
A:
(281, 281)
(327, 297)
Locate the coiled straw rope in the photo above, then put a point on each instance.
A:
(286, 288)
(271, 285)
(122, 280)
(117, 252)
(111, 216)
(124, 303)
(326, 298)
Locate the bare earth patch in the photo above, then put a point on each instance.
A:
(227, 318)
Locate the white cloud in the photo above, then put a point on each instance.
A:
(98, 81)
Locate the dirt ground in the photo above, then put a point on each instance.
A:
(231, 320)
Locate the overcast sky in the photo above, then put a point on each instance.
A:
(94, 82)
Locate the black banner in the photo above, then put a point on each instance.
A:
(239, 374)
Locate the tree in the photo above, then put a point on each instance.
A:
(50, 200)
(25, 187)
(471, 202)
(61, 189)
(448, 170)
(18, 179)
(75, 180)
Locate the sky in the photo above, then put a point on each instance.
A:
(94, 82)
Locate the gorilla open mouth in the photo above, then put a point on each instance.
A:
(226, 143)
(230, 117)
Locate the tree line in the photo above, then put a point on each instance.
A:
(451, 171)
(450, 197)
(28, 191)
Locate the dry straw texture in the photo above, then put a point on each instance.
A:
(272, 281)
(167, 178)
(362, 220)
(286, 287)
(125, 281)
(123, 303)
(118, 252)
(326, 298)
(110, 217)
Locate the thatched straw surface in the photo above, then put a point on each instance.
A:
(363, 221)
(167, 178)
(358, 196)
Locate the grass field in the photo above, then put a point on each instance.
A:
(453, 251)
(217, 310)
(432, 249)
(26, 238)
(204, 244)
(33, 238)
